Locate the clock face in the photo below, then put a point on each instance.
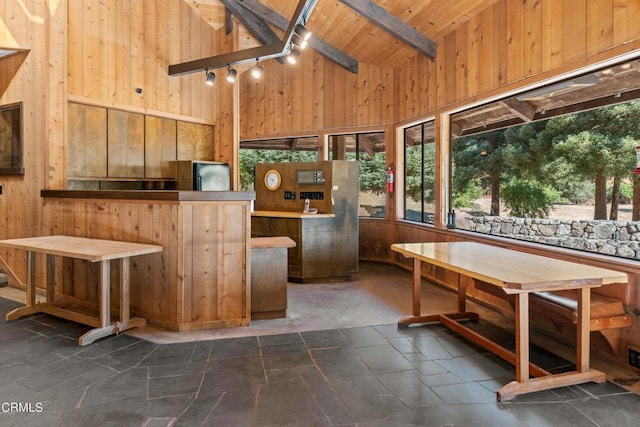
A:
(272, 179)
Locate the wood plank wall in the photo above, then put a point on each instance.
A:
(510, 44)
(116, 46)
(99, 52)
(38, 84)
(315, 94)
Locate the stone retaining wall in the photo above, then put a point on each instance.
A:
(618, 238)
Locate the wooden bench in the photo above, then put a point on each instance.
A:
(269, 276)
(608, 312)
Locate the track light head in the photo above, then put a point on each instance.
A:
(256, 71)
(302, 31)
(211, 78)
(232, 75)
(293, 56)
(299, 41)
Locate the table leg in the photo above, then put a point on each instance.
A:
(30, 304)
(124, 290)
(126, 322)
(417, 282)
(583, 330)
(582, 374)
(104, 304)
(415, 300)
(522, 337)
(462, 294)
(31, 279)
(51, 278)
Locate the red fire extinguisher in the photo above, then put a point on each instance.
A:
(390, 179)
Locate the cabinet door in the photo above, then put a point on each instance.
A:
(125, 136)
(159, 147)
(87, 141)
(260, 226)
(291, 228)
(195, 141)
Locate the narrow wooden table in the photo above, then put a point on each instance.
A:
(515, 273)
(93, 250)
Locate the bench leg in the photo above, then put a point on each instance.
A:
(612, 337)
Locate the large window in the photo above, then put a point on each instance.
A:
(419, 173)
(369, 150)
(555, 165)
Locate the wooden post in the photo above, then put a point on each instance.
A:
(583, 329)
(522, 337)
(123, 282)
(105, 305)
(51, 278)
(31, 278)
(417, 279)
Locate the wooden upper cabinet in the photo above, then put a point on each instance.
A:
(160, 147)
(114, 144)
(87, 141)
(126, 144)
(195, 141)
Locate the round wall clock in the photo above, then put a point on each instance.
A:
(272, 179)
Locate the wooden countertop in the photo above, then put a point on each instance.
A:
(281, 214)
(165, 195)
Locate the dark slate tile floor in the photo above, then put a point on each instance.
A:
(364, 376)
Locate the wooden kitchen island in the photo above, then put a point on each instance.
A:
(201, 280)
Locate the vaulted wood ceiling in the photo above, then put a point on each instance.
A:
(357, 36)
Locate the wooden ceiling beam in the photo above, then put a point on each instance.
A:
(272, 17)
(256, 26)
(367, 147)
(520, 108)
(394, 26)
(617, 98)
(228, 21)
(272, 50)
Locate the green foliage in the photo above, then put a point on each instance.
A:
(568, 154)
(412, 170)
(527, 198)
(464, 197)
(626, 191)
(372, 172)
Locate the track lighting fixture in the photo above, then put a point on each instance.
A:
(299, 41)
(231, 74)
(211, 77)
(293, 56)
(256, 71)
(303, 32)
